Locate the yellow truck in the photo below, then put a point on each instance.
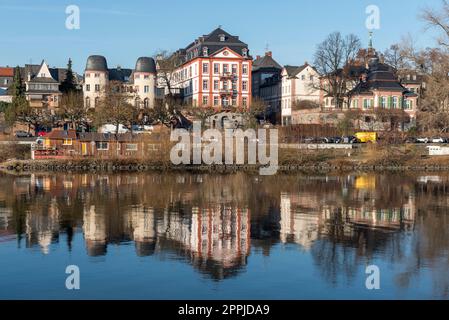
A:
(365, 137)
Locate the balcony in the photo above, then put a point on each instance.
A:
(226, 92)
(227, 75)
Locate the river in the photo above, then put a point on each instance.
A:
(241, 236)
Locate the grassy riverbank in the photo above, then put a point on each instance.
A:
(365, 159)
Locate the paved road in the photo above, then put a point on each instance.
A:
(19, 140)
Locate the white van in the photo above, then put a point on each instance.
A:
(112, 128)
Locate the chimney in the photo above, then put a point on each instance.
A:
(29, 76)
(269, 54)
(257, 57)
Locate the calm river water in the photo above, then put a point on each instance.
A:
(182, 236)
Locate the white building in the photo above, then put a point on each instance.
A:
(139, 82)
(297, 84)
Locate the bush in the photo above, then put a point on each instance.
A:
(14, 151)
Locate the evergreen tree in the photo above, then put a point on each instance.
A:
(68, 85)
(19, 108)
(17, 88)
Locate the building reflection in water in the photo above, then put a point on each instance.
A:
(212, 222)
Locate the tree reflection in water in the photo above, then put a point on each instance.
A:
(213, 221)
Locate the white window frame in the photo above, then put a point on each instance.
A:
(131, 147)
(100, 145)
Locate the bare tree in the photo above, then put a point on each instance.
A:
(115, 107)
(439, 18)
(433, 65)
(334, 59)
(72, 109)
(167, 64)
(396, 57)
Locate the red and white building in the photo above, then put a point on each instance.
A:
(215, 71)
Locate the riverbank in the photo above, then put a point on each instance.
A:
(24, 166)
(369, 158)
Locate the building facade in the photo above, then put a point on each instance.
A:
(139, 82)
(42, 88)
(380, 90)
(6, 79)
(266, 82)
(299, 84)
(214, 71)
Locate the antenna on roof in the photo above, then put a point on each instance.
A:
(267, 47)
(370, 44)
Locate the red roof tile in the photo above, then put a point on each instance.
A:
(61, 134)
(6, 72)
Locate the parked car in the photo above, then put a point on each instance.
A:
(313, 140)
(142, 129)
(23, 134)
(365, 137)
(112, 128)
(349, 139)
(332, 140)
(422, 140)
(439, 140)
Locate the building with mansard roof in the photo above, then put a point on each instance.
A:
(214, 71)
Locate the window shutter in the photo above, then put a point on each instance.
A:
(400, 106)
(380, 102)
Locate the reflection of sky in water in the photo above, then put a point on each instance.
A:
(224, 237)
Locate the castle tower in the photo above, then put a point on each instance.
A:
(96, 79)
(145, 81)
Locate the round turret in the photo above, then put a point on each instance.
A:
(96, 63)
(145, 64)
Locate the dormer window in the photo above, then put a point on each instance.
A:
(245, 52)
(222, 37)
(205, 51)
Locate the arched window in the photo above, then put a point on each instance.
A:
(145, 103)
(137, 103)
(87, 102)
(97, 102)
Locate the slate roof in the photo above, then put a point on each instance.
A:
(58, 74)
(293, 71)
(96, 63)
(120, 74)
(43, 80)
(145, 64)
(267, 62)
(99, 63)
(213, 43)
(381, 77)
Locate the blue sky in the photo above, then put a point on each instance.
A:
(32, 30)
